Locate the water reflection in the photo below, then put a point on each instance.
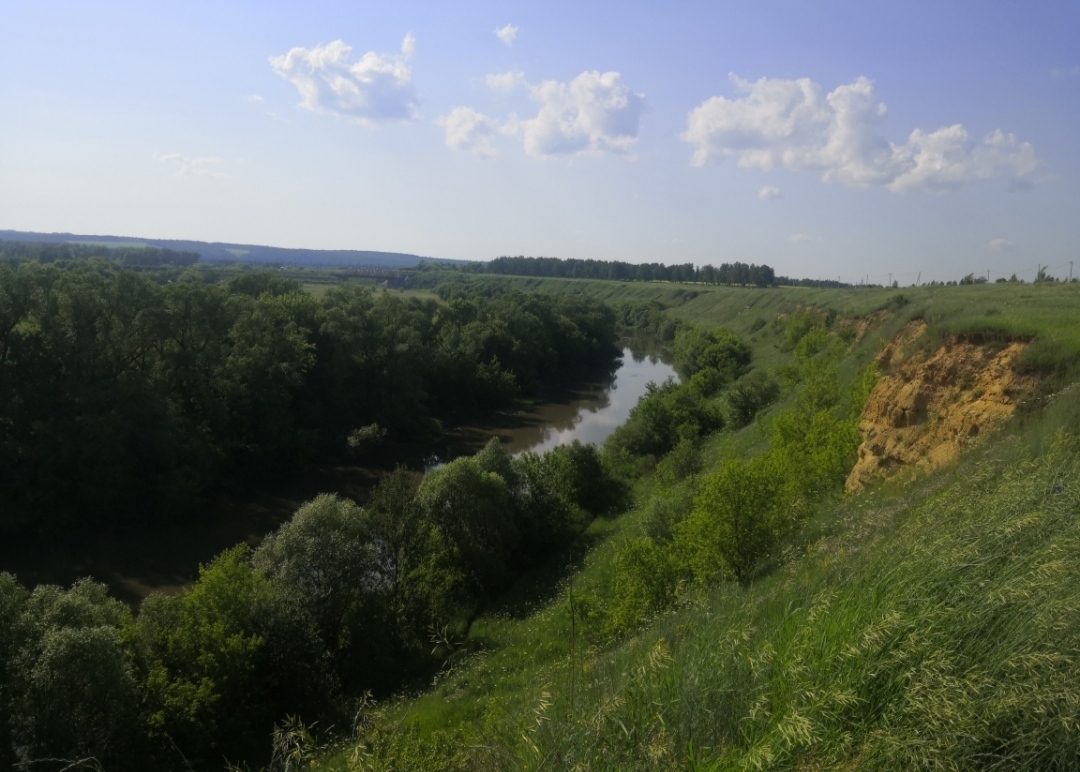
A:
(589, 413)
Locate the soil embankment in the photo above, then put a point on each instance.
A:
(927, 406)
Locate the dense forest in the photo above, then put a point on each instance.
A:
(125, 397)
(571, 268)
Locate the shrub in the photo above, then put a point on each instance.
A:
(722, 350)
(683, 461)
(646, 582)
(664, 511)
(747, 396)
(734, 523)
(800, 324)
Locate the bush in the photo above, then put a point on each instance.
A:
(663, 416)
(735, 520)
(800, 324)
(747, 396)
(664, 511)
(683, 461)
(721, 350)
(646, 582)
(472, 511)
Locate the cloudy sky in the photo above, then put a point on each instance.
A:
(829, 139)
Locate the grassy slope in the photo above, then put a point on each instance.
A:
(933, 624)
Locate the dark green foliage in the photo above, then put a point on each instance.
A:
(12, 600)
(123, 399)
(721, 350)
(647, 317)
(581, 474)
(664, 416)
(725, 273)
(70, 689)
(749, 395)
(323, 563)
(471, 511)
(225, 660)
(546, 514)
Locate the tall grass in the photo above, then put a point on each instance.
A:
(937, 628)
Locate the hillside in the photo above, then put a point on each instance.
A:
(927, 617)
(216, 252)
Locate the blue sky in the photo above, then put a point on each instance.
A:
(832, 139)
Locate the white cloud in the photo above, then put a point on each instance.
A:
(799, 238)
(375, 89)
(191, 167)
(594, 113)
(253, 98)
(792, 124)
(767, 192)
(1000, 245)
(468, 131)
(507, 34)
(505, 82)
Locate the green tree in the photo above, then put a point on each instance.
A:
(472, 511)
(735, 521)
(722, 350)
(74, 694)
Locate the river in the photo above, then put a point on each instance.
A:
(136, 563)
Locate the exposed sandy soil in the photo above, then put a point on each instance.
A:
(926, 408)
(865, 324)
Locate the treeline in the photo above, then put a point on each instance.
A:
(572, 268)
(340, 603)
(48, 252)
(124, 399)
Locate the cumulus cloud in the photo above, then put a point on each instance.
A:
(191, 167)
(505, 82)
(468, 131)
(793, 124)
(375, 89)
(507, 34)
(594, 113)
(767, 192)
(1000, 245)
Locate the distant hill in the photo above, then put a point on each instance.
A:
(217, 252)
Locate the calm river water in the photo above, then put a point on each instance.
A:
(588, 413)
(135, 564)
